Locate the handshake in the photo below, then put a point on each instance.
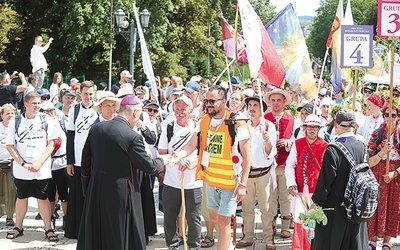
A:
(173, 159)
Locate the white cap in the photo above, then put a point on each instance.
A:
(46, 105)
(126, 73)
(184, 99)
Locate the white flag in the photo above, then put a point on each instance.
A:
(147, 66)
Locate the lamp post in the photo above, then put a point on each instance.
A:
(122, 23)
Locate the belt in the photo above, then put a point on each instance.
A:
(260, 172)
(58, 156)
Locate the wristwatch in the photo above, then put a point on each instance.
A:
(23, 163)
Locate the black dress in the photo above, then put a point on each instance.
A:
(112, 214)
(339, 233)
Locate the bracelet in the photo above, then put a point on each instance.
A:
(379, 155)
(397, 171)
(242, 184)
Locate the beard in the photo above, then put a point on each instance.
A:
(212, 112)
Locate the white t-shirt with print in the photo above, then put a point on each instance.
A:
(84, 120)
(181, 136)
(4, 155)
(60, 162)
(30, 142)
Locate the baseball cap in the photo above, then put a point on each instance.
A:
(192, 86)
(308, 107)
(177, 91)
(73, 81)
(184, 99)
(345, 116)
(43, 92)
(131, 100)
(150, 102)
(323, 91)
(46, 105)
(70, 92)
(126, 73)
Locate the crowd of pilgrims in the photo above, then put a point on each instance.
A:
(371, 111)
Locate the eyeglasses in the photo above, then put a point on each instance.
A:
(48, 110)
(45, 97)
(311, 127)
(152, 110)
(211, 101)
(396, 95)
(367, 91)
(235, 99)
(393, 115)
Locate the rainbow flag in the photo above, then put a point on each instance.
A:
(286, 35)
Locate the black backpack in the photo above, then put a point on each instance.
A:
(362, 189)
(18, 117)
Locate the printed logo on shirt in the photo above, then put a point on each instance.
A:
(84, 124)
(217, 143)
(182, 140)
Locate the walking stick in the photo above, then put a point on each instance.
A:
(183, 210)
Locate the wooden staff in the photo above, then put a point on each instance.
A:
(390, 129)
(183, 210)
(355, 85)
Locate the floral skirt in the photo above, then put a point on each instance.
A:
(386, 220)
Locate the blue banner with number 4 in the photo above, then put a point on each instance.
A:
(356, 46)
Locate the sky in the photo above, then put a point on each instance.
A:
(303, 7)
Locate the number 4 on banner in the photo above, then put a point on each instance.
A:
(358, 57)
(388, 18)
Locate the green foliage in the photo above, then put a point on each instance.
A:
(182, 37)
(315, 214)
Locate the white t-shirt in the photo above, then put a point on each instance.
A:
(37, 58)
(181, 136)
(3, 150)
(30, 142)
(84, 120)
(55, 90)
(60, 162)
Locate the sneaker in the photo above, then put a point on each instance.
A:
(57, 206)
(55, 215)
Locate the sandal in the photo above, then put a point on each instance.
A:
(386, 247)
(52, 238)
(12, 235)
(10, 222)
(207, 242)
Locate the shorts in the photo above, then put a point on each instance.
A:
(32, 188)
(221, 200)
(59, 183)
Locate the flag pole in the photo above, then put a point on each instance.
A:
(390, 105)
(320, 79)
(223, 71)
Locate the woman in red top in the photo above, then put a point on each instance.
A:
(386, 220)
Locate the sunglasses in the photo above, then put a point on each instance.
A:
(45, 97)
(393, 115)
(211, 101)
(152, 110)
(367, 91)
(396, 95)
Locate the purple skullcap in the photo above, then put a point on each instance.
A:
(131, 100)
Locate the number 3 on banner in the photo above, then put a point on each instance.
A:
(396, 22)
(357, 55)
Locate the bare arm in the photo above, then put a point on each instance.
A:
(14, 154)
(188, 148)
(23, 85)
(46, 47)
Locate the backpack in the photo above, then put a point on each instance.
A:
(170, 130)
(18, 121)
(362, 189)
(296, 132)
